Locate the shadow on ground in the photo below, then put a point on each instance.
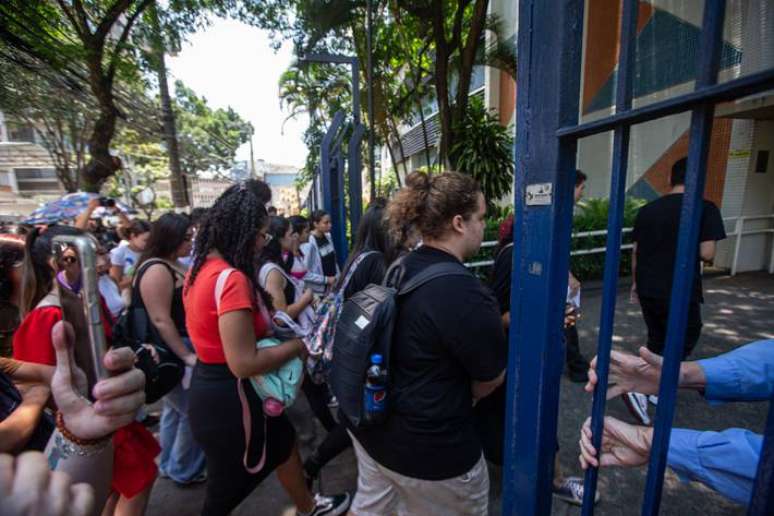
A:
(737, 310)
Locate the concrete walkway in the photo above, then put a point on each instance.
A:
(737, 310)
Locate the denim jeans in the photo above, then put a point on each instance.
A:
(181, 458)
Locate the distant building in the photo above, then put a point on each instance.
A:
(285, 196)
(27, 175)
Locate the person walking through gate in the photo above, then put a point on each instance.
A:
(224, 336)
(320, 255)
(577, 364)
(653, 261)
(448, 351)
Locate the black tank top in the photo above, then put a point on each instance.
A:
(177, 310)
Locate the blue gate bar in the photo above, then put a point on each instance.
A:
(726, 91)
(354, 175)
(762, 501)
(550, 42)
(685, 264)
(623, 102)
(339, 216)
(331, 184)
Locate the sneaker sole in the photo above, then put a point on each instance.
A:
(634, 411)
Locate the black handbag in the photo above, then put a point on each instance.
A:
(135, 328)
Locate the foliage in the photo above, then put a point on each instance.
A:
(484, 149)
(61, 121)
(145, 164)
(208, 138)
(592, 216)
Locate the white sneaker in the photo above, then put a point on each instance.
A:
(653, 399)
(638, 406)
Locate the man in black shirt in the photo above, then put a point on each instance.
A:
(655, 246)
(448, 351)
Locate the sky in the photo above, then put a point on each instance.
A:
(232, 64)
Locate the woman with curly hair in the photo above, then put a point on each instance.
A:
(224, 334)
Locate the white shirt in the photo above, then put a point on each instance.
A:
(123, 256)
(109, 290)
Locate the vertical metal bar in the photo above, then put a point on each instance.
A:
(354, 175)
(687, 244)
(370, 79)
(325, 162)
(623, 101)
(355, 63)
(340, 217)
(549, 81)
(762, 500)
(737, 244)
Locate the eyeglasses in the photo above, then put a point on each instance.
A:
(266, 237)
(69, 260)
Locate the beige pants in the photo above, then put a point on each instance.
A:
(382, 492)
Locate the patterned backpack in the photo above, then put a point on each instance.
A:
(320, 341)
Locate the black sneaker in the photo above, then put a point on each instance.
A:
(638, 406)
(329, 505)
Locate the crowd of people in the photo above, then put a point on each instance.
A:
(188, 303)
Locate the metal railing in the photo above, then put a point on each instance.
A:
(739, 224)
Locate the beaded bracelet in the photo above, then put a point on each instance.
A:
(60, 425)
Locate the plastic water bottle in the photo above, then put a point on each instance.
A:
(375, 392)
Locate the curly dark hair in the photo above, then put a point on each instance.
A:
(429, 203)
(231, 227)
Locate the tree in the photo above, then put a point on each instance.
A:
(208, 138)
(484, 149)
(457, 30)
(86, 42)
(61, 121)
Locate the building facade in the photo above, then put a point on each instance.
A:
(740, 174)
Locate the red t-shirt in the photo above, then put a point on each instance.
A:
(201, 315)
(32, 341)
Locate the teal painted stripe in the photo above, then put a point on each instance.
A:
(667, 49)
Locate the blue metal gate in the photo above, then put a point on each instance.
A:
(547, 131)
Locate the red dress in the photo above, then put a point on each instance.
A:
(134, 447)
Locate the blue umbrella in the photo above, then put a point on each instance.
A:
(65, 208)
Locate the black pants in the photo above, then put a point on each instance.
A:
(575, 361)
(656, 313)
(215, 413)
(337, 439)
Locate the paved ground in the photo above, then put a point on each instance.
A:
(737, 310)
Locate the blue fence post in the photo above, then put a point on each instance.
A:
(687, 243)
(329, 161)
(623, 102)
(549, 49)
(355, 170)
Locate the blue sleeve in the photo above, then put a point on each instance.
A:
(744, 374)
(725, 461)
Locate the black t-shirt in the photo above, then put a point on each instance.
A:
(447, 334)
(655, 232)
(370, 270)
(501, 278)
(327, 255)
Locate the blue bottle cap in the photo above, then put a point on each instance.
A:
(376, 358)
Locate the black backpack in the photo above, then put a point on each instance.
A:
(365, 327)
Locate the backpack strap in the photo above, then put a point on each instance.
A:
(220, 284)
(247, 426)
(342, 286)
(432, 272)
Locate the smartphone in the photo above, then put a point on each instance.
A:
(107, 202)
(89, 294)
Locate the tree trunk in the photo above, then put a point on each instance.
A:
(101, 164)
(177, 183)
